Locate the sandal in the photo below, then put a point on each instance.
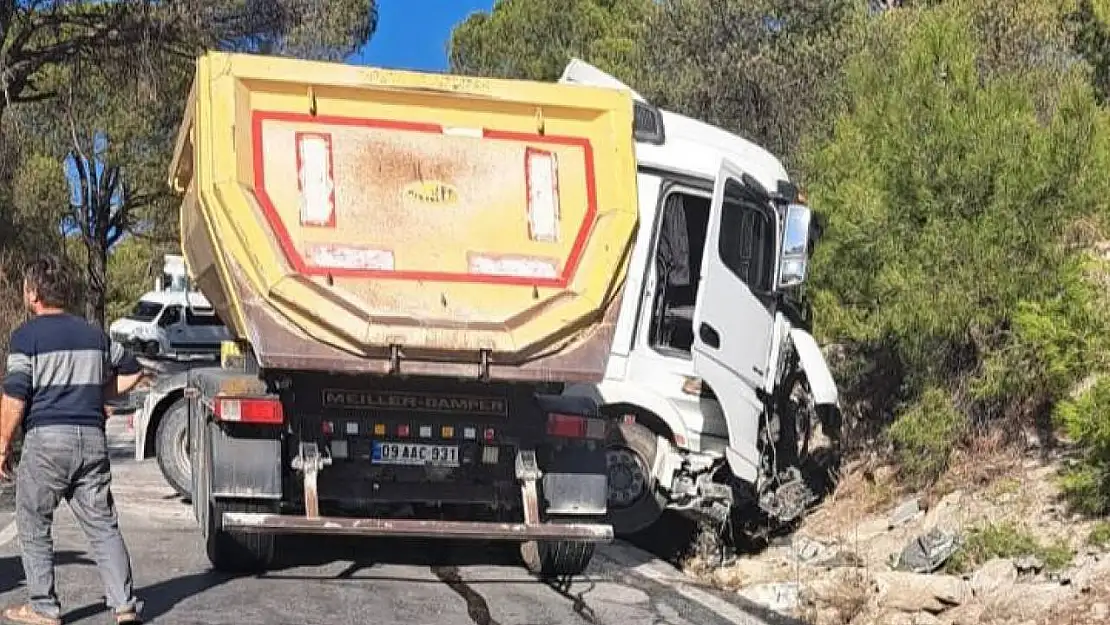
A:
(131, 617)
(26, 614)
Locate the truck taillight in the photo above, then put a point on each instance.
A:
(315, 180)
(541, 172)
(574, 426)
(265, 411)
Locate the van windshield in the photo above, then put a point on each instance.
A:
(145, 311)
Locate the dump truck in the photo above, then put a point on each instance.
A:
(719, 402)
(412, 266)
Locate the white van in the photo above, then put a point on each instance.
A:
(171, 320)
(171, 324)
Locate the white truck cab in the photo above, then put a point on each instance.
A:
(172, 320)
(712, 357)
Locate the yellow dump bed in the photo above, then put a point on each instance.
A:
(354, 219)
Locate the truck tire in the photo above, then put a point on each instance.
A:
(233, 552)
(550, 559)
(630, 452)
(171, 444)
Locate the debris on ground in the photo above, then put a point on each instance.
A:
(994, 551)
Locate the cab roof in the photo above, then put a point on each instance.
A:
(688, 146)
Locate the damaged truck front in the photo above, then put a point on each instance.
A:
(413, 267)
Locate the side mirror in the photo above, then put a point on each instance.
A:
(794, 255)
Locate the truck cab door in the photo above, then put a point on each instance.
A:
(734, 317)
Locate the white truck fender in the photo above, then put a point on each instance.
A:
(158, 392)
(616, 392)
(821, 382)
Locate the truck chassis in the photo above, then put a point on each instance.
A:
(262, 455)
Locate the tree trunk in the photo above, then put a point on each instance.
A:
(95, 294)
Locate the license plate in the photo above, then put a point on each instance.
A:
(414, 454)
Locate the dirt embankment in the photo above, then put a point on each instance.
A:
(992, 543)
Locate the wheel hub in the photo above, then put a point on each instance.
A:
(627, 477)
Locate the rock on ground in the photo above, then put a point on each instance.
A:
(911, 592)
(994, 575)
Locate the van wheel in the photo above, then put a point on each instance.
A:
(171, 444)
(634, 502)
(234, 552)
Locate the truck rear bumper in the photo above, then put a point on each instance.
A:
(415, 528)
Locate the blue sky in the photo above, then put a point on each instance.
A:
(413, 34)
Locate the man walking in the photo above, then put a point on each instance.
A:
(60, 372)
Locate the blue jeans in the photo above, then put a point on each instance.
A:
(69, 462)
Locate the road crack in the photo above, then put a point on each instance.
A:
(476, 606)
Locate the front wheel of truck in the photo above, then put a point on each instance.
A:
(172, 447)
(634, 502)
(235, 552)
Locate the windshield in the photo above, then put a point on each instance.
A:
(145, 311)
(174, 282)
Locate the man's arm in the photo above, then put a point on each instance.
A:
(16, 390)
(11, 414)
(127, 372)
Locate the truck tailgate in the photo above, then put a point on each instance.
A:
(353, 218)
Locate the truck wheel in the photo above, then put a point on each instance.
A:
(171, 444)
(234, 552)
(552, 560)
(634, 502)
(548, 559)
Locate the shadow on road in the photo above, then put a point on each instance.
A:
(442, 558)
(158, 599)
(11, 568)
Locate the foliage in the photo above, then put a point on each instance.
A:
(1006, 540)
(953, 184)
(926, 435)
(535, 39)
(1086, 482)
(764, 69)
(75, 70)
(37, 36)
(132, 265)
(1100, 535)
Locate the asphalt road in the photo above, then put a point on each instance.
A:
(324, 581)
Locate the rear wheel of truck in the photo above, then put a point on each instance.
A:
(553, 559)
(171, 444)
(234, 552)
(634, 502)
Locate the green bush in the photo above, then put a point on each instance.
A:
(1086, 420)
(1006, 540)
(925, 436)
(1100, 535)
(962, 188)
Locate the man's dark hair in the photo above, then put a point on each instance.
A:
(48, 277)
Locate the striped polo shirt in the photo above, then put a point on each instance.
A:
(58, 364)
